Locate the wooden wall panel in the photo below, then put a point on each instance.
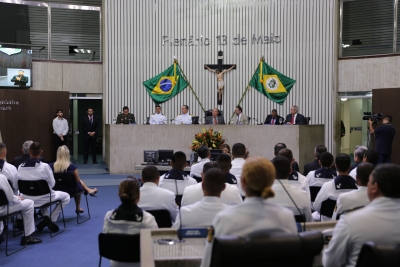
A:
(30, 119)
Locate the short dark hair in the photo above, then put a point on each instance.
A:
(326, 159)
(387, 175)
(364, 170)
(214, 181)
(210, 165)
(372, 156)
(282, 167)
(187, 107)
(224, 161)
(2, 146)
(125, 107)
(343, 162)
(179, 160)
(274, 110)
(278, 147)
(388, 117)
(90, 108)
(238, 150)
(287, 153)
(150, 174)
(360, 152)
(158, 106)
(203, 151)
(35, 149)
(239, 108)
(319, 149)
(58, 110)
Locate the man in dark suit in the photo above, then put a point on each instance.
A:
(274, 118)
(215, 118)
(20, 79)
(25, 156)
(90, 128)
(294, 117)
(314, 165)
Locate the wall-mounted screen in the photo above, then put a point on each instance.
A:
(15, 67)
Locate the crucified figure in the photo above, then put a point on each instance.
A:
(220, 80)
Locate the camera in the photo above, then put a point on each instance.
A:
(373, 117)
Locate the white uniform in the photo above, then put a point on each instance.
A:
(332, 191)
(181, 184)
(33, 169)
(16, 204)
(194, 193)
(236, 169)
(353, 173)
(353, 199)
(299, 197)
(158, 119)
(254, 214)
(200, 214)
(183, 119)
(317, 181)
(377, 222)
(111, 225)
(300, 182)
(197, 169)
(11, 173)
(153, 197)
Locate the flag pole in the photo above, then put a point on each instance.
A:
(245, 91)
(189, 85)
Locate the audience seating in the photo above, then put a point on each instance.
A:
(372, 255)
(327, 207)
(5, 217)
(267, 249)
(40, 188)
(119, 247)
(314, 192)
(163, 218)
(66, 182)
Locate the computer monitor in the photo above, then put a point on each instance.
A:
(150, 156)
(165, 155)
(215, 153)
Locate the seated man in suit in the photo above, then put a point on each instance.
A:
(202, 213)
(371, 156)
(359, 153)
(295, 118)
(25, 150)
(357, 198)
(125, 117)
(153, 197)
(176, 178)
(377, 222)
(313, 165)
(274, 118)
(215, 118)
(194, 193)
(31, 170)
(240, 118)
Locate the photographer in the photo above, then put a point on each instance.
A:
(384, 135)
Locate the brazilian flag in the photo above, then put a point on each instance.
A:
(271, 83)
(166, 85)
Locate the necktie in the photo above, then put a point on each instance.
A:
(237, 121)
(272, 121)
(292, 119)
(91, 119)
(215, 120)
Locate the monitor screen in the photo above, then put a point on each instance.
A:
(150, 156)
(165, 155)
(15, 67)
(215, 153)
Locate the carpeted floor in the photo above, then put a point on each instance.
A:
(77, 246)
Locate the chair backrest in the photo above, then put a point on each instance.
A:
(266, 249)
(314, 192)
(3, 198)
(163, 218)
(147, 120)
(33, 188)
(66, 182)
(327, 207)
(120, 247)
(195, 119)
(379, 255)
(208, 113)
(307, 120)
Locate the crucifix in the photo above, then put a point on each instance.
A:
(219, 71)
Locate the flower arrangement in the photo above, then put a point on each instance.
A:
(212, 139)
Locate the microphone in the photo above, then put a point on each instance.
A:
(180, 240)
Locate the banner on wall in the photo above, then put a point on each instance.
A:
(166, 85)
(271, 83)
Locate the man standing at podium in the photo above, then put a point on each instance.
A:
(125, 117)
(90, 127)
(294, 118)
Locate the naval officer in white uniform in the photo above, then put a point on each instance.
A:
(158, 118)
(254, 214)
(185, 117)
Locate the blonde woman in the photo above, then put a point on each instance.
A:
(255, 213)
(63, 164)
